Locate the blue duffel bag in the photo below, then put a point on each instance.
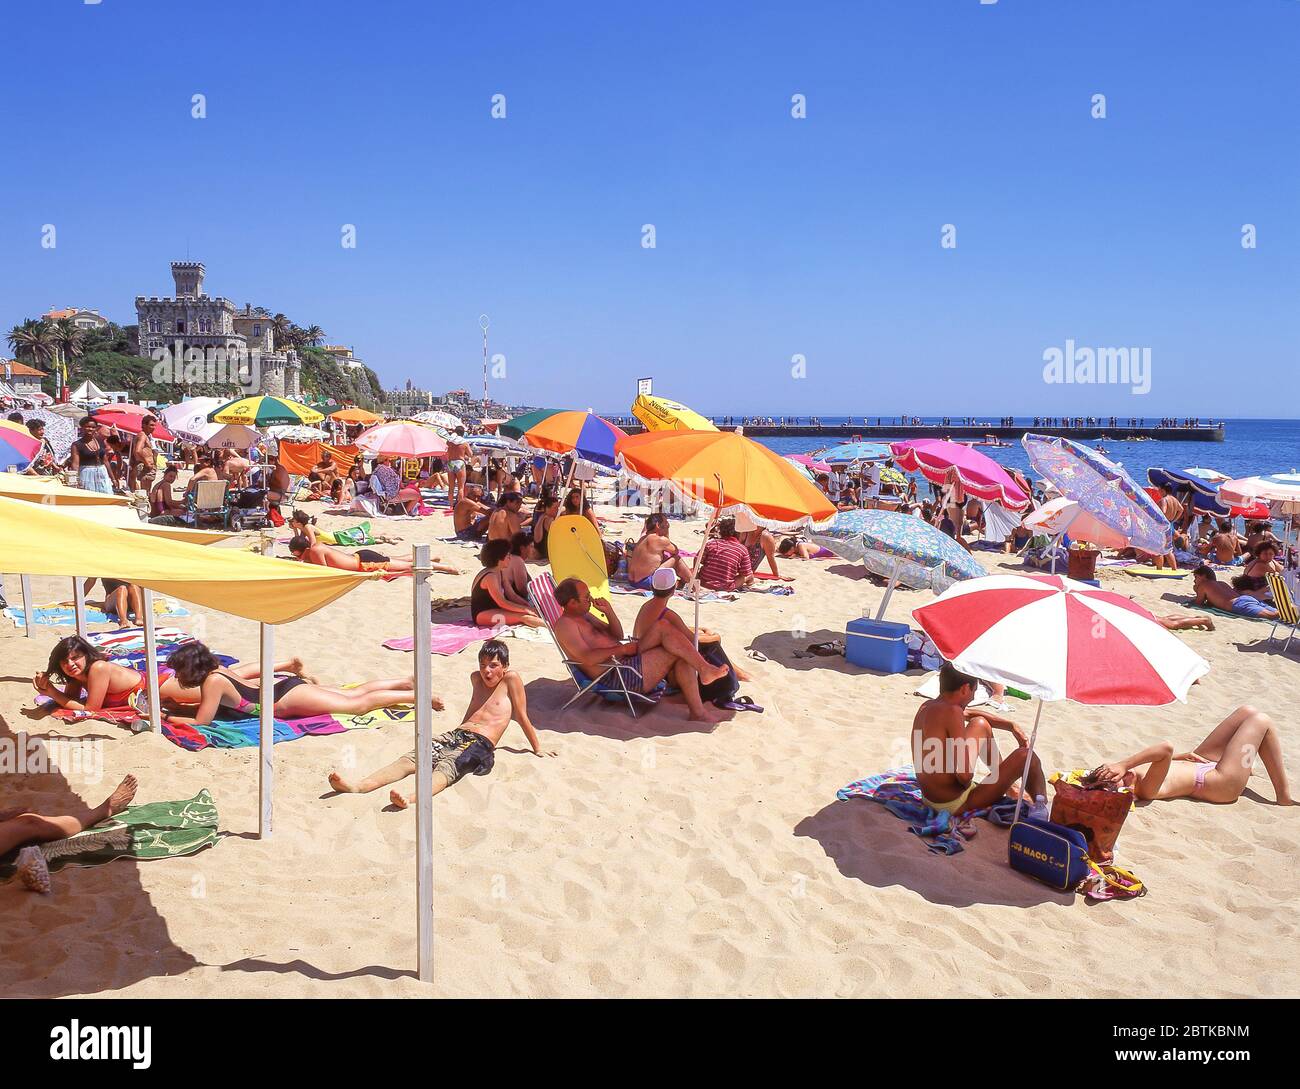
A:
(1052, 853)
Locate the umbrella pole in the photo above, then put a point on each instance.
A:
(151, 659)
(1055, 544)
(79, 605)
(695, 567)
(1033, 737)
(889, 590)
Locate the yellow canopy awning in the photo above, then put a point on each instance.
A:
(125, 518)
(661, 414)
(37, 541)
(46, 489)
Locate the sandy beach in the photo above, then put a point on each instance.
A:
(655, 856)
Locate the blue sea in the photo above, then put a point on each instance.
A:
(1250, 447)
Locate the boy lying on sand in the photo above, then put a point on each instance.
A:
(497, 696)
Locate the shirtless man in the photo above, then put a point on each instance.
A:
(1225, 545)
(205, 471)
(497, 696)
(948, 740)
(277, 487)
(1172, 509)
(457, 461)
(506, 521)
(364, 559)
(469, 517)
(144, 458)
(326, 471)
(1210, 591)
(655, 551)
(1217, 770)
(664, 650)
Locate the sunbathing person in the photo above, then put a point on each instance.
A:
(1217, 770)
(304, 525)
(224, 690)
(363, 560)
(470, 515)
(20, 826)
(1228, 599)
(949, 743)
(793, 548)
(654, 551)
(496, 697)
(594, 644)
(493, 596)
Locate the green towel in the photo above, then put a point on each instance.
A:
(143, 832)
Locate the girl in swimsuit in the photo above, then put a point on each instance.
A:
(218, 689)
(1217, 770)
(492, 599)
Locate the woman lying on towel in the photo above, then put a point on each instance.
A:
(21, 826)
(1217, 770)
(220, 690)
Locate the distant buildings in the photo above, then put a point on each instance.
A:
(21, 378)
(343, 356)
(82, 319)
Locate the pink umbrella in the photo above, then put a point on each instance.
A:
(979, 474)
(402, 439)
(810, 461)
(1066, 516)
(130, 421)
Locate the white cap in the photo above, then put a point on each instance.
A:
(664, 578)
(744, 523)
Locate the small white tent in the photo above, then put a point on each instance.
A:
(88, 391)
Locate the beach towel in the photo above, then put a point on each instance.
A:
(769, 577)
(244, 733)
(1233, 616)
(63, 614)
(142, 832)
(447, 639)
(131, 640)
(898, 791)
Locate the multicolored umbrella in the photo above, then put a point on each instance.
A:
(355, 416)
(402, 439)
(444, 421)
(17, 447)
(60, 432)
(661, 414)
(1273, 488)
(1102, 489)
(730, 473)
(979, 474)
(565, 431)
(899, 547)
(848, 452)
(809, 462)
(1060, 640)
(260, 410)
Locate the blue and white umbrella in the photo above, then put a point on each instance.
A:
(848, 452)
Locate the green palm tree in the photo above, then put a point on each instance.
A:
(69, 339)
(313, 335)
(280, 325)
(33, 342)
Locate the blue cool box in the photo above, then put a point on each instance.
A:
(877, 644)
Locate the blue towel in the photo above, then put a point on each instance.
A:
(898, 791)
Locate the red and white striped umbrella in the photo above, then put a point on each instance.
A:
(1060, 639)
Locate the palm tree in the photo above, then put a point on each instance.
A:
(313, 335)
(33, 341)
(280, 325)
(69, 339)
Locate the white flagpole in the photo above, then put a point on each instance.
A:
(79, 605)
(25, 582)
(421, 619)
(150, 658)
(266, 733)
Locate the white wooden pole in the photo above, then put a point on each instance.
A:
(1055, 543)
(889, 590)
(79, 605)
(266, 733)
(150, 658)
(422, 619)
(25, 582)
(1029, 759)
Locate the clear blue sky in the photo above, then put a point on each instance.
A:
(775, 236)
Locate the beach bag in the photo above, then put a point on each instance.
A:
(724, 688)
(1050, 853)
(1098, 813)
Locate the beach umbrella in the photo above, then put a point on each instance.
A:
(1212, 475)
(729, 472)
(890, 475)
(846, 453)
(1102, 489)
(260, 410)
(402, 439)
(496, 443)
(17, 447)
(1273, 488)
(661, 414)
(1060, 640)
(295, 433)
(978, 473)
(565, 431)
(1203, 495)
(899, 547)
(1062, 516)
(60, 432)
(801, 468)
(809, 462)
(231, 437)
(189, 419)
(131, 422)
(440, 419)
(355, 416)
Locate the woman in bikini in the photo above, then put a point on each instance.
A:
(1217, 770)
(220, 689)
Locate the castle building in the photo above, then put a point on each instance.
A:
(195, 319)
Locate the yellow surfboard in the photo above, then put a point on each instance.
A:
(576, 552)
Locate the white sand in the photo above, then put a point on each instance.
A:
(655, 856)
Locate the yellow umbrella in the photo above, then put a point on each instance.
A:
(661, 414)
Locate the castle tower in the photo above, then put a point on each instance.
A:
(293, 376)
(188, 276)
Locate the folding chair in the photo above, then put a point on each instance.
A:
(611, 685)
(209, 503)
(1284, 603)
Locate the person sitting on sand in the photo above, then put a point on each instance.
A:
(1225, 545)
(224, 690)
(1210, 591)
(1217, 770)
(655, 551)
(470, 514)
(593, 644)
(758, 542)
(949, 742)
(21, 827)
(497, 697)
(162, 499)
(323, 474)
(1263, 562)
(506, 521)
(123, 601)
(494, 597)
(724, 561)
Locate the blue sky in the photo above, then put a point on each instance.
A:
(774, 236)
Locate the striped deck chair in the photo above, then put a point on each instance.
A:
(1284, 603)
(611, 685)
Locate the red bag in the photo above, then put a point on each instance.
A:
(1097, 812)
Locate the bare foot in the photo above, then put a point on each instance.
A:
(1287, 800)
(121, 797)
(338, 783)
(398, 799)
(713, 673)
